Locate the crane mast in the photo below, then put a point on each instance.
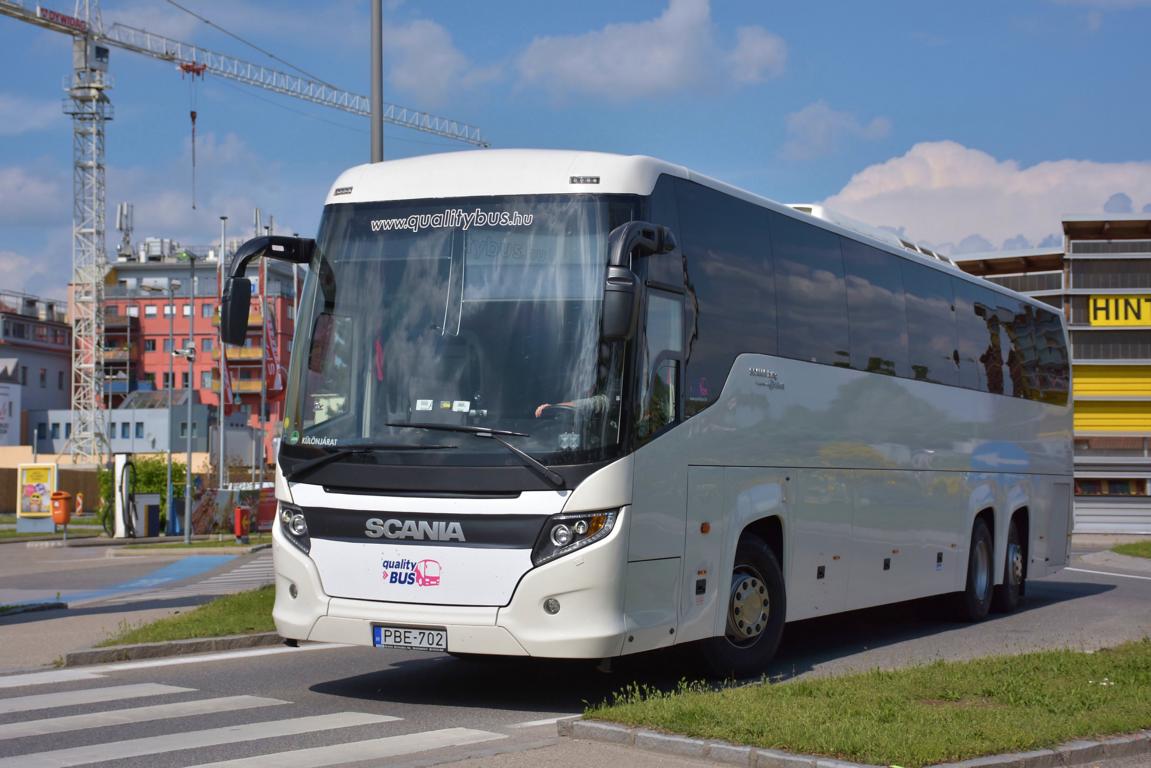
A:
(89, 107)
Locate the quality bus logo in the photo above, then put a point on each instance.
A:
(408, 573)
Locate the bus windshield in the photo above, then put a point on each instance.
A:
(477, 312)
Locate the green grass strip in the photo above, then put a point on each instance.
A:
(1134, 549)
(945, 711)
(227, 541)
(239, 614)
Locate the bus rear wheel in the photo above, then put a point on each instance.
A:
(755, 607)
(974, 602)
(1009, 594)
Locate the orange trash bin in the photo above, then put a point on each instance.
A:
(61, 507)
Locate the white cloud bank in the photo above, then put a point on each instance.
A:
(961, 199)
(676, 50)
(818, 130)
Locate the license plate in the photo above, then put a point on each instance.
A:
(411, 638)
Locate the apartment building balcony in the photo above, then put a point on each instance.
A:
(242, 386)
(239, 353)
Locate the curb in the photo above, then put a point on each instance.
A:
(171, 648)
(49, 540)
(1071, 753)
(33, 607)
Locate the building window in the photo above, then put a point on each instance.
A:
(183, 429)
(149, 345)
(167, 345)
(55, 430)
(187, 310)
(41, 431)
(43, 378)
(133, 311)
(23, 375)
(67, 430)
(124, 427)
(139, 429)
(184, 380)
(205, 379)
(149, 310)
(59, 379)
(206, 345)
(206, 310)
(167, 381)
(169, 310)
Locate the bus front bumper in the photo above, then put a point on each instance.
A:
(587, 584)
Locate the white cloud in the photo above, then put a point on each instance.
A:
(758, 55)
(669, 53)
(943, 193)
(424, 61)
(28, 197)
(818, 130)
(20, 115)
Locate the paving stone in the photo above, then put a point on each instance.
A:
(730, 754)
(1080, 751)
(615, 734)
(771, 758)
(672, 745)
(1126, 746)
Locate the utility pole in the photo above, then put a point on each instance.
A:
(172, 286)
(190, 352)
(377, 94)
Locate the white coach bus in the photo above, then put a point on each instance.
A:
(579, 405)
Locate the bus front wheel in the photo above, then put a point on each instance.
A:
(756, 607)
(973, 603)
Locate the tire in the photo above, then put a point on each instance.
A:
(1009, 594)
(974, 602)
(756, 608)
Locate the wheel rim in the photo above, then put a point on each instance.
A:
(748, 608)
(982, 568)
(1015, 559)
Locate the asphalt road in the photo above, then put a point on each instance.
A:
(418, 709)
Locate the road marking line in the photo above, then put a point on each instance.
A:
(359, 751)
(1108, 573)
(546, 721)
(155, 745)
(87, 696)
(134, 715)
(47, 678)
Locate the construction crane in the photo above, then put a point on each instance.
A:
(90, 109)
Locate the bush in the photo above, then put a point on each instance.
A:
(151, 477)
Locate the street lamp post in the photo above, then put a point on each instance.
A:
(190, 353)
(220, 270)
(171, 312)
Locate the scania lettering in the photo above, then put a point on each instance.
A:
(532, 415)
(412, 529)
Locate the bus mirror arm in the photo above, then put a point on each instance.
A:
(622, 288)
(236, 297)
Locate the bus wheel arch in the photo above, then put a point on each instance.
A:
(754, 606)
(1009, 594)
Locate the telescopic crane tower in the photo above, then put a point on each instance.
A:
(88, 105)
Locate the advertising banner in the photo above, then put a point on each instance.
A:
(36, 483)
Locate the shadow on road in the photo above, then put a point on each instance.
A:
(187, 601)
(566, 686)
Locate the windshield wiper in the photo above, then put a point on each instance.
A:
(310, 465)
(547, 473)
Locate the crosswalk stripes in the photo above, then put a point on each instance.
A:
(154, 745)
(251, 575)
(357, 751)
(104, 722)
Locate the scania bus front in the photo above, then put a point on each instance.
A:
(452, 472)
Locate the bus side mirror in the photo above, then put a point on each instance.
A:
(234, 306)
(622, 289)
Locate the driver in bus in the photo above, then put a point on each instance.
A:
(590, 406)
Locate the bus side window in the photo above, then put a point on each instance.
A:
(662, 356)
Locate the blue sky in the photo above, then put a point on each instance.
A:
(965, 125)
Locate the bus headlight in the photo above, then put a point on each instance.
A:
(568, 532)
(295, 527)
